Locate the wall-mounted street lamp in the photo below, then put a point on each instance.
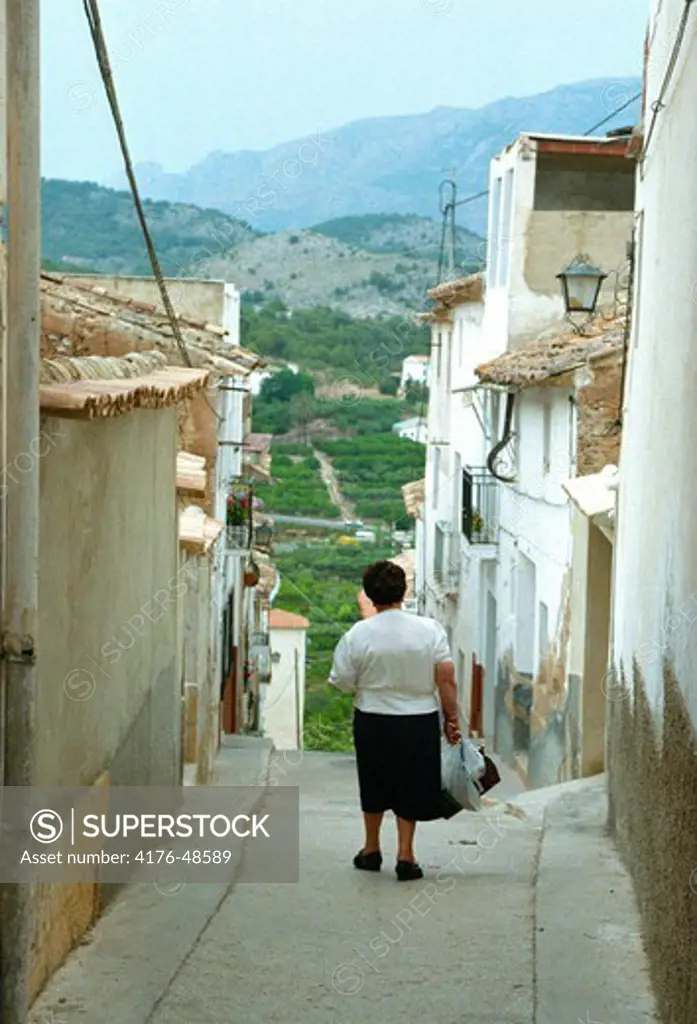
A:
(263, 535)
(581, 282)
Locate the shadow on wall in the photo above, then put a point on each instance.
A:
(653, 812)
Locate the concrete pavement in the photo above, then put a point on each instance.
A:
(525, 917)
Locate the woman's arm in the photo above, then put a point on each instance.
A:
(343, 675)
(446, 685)
(447, 688)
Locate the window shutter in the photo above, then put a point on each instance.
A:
(467, 504)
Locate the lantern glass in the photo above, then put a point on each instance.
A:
(264, 535)
(581, 283)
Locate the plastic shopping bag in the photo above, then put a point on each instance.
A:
(462, 766)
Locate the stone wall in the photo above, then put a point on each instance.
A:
(599, 406)
(552, 749)
(653, 812)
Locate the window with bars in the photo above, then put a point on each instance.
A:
(480, 506)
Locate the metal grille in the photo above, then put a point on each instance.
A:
(480, 506)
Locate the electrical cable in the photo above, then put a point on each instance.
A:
(95, 24)
(94, 21)
(659, 104)
(470, 199)
(613, 115)
(485, 192)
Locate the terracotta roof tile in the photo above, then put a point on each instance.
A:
(554, 355)
(81, 319)
(414, 495)
(464, 289)
(197, 531)
(280, 619)
(268, 575)
(191, 475)
(90, 387)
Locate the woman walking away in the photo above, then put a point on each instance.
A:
(396, 664)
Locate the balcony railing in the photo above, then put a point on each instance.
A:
(480, 506)
(239, 524)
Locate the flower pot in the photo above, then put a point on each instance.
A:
(251, 577)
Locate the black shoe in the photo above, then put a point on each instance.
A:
(408, 871)
(368, 861)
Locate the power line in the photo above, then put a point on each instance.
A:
(613, 115)
(485, 192)
(658, 105)
(95, 24)
(470, 199)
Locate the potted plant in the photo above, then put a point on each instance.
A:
(237, 520)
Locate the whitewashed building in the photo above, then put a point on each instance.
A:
(652, 750)
(415, 429)
(496, 533)
(415, 369)
(283, 698)
(563, 392)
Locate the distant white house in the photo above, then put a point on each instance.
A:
(283, 699)
(257, 377)
(416, 429)
(414, 368)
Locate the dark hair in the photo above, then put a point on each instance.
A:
(385, 583)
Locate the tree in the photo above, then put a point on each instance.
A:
(302, 412)
(284, 385)
(390, 386)
(416, 393)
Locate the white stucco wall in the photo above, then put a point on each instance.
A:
(453, 417)
(257, 378)
(413, 430)
(192, 298)
(414, 369)
(527, 248)
(110, 592)
(655, 602)
(281, 716)
(535, 518)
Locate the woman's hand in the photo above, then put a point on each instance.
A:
(452, 730)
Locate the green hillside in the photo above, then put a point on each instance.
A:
(92, 228)
(407, 235)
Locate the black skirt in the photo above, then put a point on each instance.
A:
(398, 760)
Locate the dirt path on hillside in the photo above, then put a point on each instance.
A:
(329, 477)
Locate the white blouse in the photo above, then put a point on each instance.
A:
(388, 662)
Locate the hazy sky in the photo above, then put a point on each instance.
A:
(201, 75)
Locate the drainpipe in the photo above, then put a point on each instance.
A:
(21, 426)
(507, 435)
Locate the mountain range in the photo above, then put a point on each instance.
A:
(385, 165)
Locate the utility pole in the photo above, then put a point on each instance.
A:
(21, 431)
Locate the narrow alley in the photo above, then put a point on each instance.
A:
(525, 916)
(244, 302)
